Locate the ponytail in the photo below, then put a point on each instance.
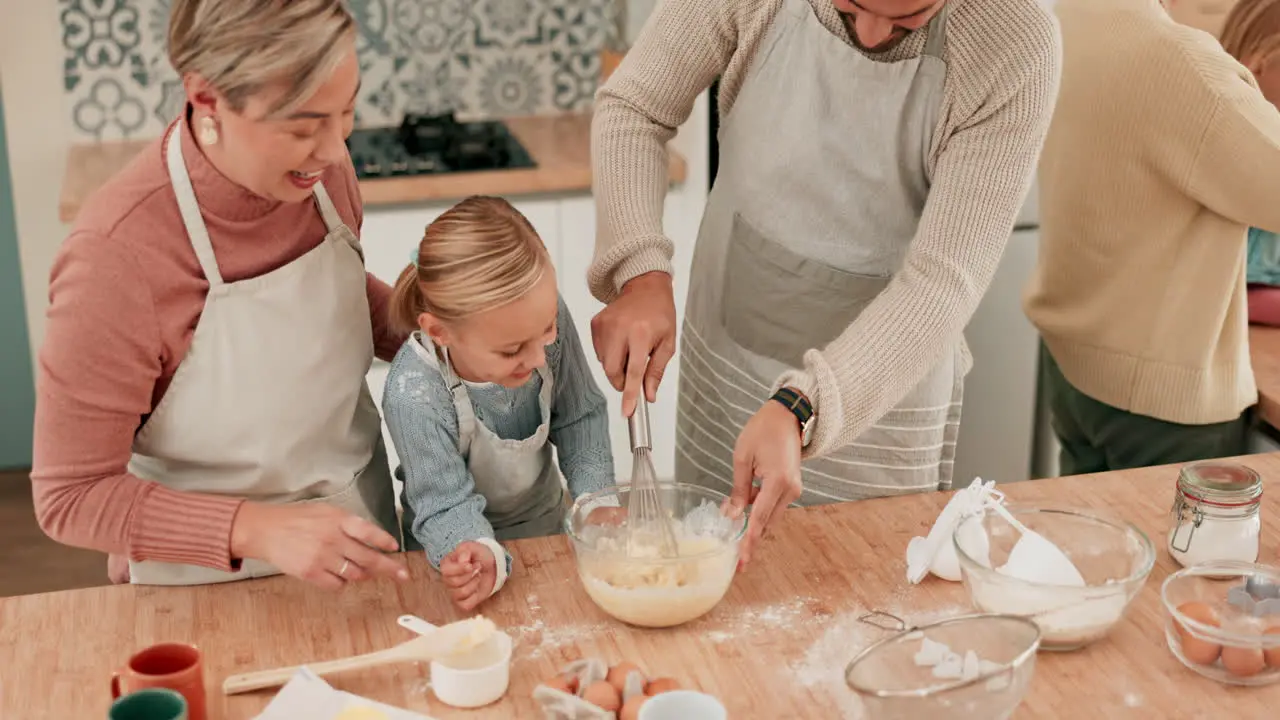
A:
(406, 301)
(478, 255)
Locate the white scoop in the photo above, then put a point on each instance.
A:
(936, 553)
(1035, 558)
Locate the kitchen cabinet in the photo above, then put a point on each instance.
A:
(1262, 442)
(998, 418)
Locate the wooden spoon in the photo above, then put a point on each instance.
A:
(444, 641)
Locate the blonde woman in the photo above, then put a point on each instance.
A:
(202, 413)
(1252, 36)
(491, 380)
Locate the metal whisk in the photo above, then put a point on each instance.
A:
(646, 517)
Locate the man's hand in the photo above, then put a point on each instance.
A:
(635, 337)
(768, 448)
(469, 572)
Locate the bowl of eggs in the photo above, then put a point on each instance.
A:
(1221, 624)
(634, 583)
(1074, 571)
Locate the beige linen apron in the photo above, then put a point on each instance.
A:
(821, 185)
(524, 496)
(270, 402)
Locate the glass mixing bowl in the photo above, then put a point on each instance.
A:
(648, 590)
(1236, 646)
(1113, 556)
(892, 685)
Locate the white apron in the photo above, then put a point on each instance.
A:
(821, 186)
(524, 496)
(270, 402)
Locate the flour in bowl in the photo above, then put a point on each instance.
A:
(640, 587)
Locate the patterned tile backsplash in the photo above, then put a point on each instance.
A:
(488, 57)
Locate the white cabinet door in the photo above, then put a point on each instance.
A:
(390, 236)
(997, 423)
(577, 241)
(578, 233)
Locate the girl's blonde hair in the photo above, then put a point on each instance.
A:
(243, 46)
(479, 255)
(1251, 32)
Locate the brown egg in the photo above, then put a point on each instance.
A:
(1243, 662)
(631, 708)
(1196, 650)
(563, 683)
(1272, 655)
(618, 674)
(658, 686)
(603, 695)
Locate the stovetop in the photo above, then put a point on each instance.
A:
(433, 145)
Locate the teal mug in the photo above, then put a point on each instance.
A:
(149, 704)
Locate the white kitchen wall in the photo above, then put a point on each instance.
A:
(31, 71)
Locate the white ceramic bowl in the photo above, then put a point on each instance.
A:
(892, 686)
(1113, 556)
(656, 592)
(476, 678)
(682, 705)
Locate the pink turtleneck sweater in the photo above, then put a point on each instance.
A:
(125, 295)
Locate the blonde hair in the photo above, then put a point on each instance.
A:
(1251, 32)
(243, 46)
(479, 255)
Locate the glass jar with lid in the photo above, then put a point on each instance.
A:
(1215, 513)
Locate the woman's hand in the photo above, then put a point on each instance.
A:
(635, 337)
(768, 448)
(316, 542)
(469, 572)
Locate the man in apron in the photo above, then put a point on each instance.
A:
(874, 155)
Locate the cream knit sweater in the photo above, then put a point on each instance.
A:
(1161, 154)
(1003, 65)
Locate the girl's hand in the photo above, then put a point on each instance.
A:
(469, 572)
(316, 542)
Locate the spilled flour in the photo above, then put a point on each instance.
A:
(822, 668)
(752, 620)
(539, 638)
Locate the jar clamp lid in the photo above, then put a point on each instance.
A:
(1213, 488)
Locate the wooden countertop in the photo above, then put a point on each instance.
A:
(1264, 351)
(559, 144)
(775, 647)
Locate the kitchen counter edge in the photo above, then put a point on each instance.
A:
(559, 144)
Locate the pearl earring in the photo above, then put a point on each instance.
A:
(208, 130)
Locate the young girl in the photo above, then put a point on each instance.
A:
(1251, 34)
(491, 378)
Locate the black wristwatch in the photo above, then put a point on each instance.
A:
(799, 405)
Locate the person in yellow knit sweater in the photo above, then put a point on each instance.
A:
(1161, 154)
